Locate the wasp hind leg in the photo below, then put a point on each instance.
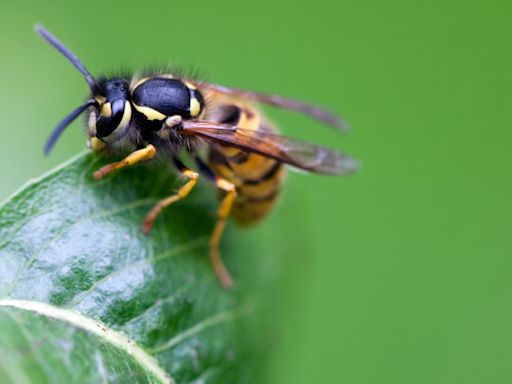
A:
(179, 195)
(139, 155)
(222, 216)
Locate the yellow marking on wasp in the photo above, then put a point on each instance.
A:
(106, 110)
(254, 168)
(228, 151)
(249, 118)
(181, 194)
(127, 115)
(100, 99)
(195, 107)
(190, 85)
(142, 154)
(96, 144)
(150, 113)
(92, 123)
(135, 83)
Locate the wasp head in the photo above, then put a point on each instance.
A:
(110, 118)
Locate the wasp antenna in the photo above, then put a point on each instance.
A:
(63, 124)
(43, 32)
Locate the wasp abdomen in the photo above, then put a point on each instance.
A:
(257, 178)
(158, 98)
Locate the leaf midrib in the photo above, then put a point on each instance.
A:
(95, 327)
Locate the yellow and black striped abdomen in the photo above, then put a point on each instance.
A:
(257, 178)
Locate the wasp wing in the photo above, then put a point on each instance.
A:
(299, 154)
(310, 110)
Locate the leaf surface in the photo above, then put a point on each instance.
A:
(85, 296)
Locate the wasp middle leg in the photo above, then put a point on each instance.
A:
(179, 195)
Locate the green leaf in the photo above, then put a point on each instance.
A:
(85, 296)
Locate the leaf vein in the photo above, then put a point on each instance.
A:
(212, 321)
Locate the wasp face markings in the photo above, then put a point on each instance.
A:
(110, 119)
(161, 114)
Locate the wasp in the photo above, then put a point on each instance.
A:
(156, 113)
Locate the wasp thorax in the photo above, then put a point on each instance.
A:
(113, 111)
(157, 98)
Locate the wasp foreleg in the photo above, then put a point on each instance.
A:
(142, 154)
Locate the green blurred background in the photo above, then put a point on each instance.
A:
(408, 277)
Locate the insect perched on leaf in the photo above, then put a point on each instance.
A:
(158, 113)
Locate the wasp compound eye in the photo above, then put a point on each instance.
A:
(110, 118)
